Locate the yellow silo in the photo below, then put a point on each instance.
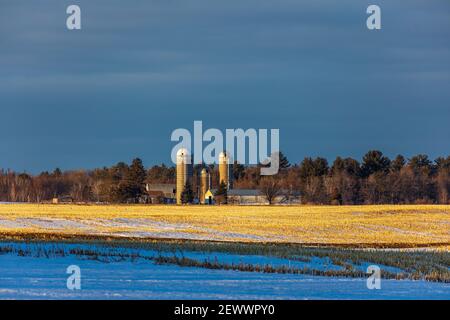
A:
(205, 184)
(225, 169)
(184, 171)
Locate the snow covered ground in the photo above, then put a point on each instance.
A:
(45, 278)
(124, 227)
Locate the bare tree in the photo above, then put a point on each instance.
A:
(270, 187)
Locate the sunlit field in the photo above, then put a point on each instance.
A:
(378, 226)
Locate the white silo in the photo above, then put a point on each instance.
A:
(225, 174)
(184, 171)
(205, 184)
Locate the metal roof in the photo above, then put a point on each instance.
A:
(244, 192)
(163, 187)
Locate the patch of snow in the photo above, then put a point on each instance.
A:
(133, 228)
(5, 223)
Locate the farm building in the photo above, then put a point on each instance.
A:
(161, 192)
(208, 197)
(62, 199)
(245, 196)
(202, 183)
(250, 197)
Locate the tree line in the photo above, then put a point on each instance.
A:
(375, 179)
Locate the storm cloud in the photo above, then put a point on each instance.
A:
(139, 69)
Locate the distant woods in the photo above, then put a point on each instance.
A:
(121, 183)
(375, 180)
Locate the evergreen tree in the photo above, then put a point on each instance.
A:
(222, 193)
(374, 161)
(117, 191)
(238, 171)
(135, 180)
(187, 196)
(128, 182)
(442, 163)
(57, 172)
(284, 162)
(352, 167)
(420, 163)
(320, 167)
(313, 168)
(398, 163)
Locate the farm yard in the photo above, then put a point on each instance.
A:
(387, 226)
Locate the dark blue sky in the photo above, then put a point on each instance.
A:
(140, 69)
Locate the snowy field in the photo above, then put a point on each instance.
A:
(123, 227)
(34, 277)
(405, 226)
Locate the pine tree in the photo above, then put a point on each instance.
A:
(238, 171)
(116, 189)
(284, 162)
(187, 196)
(222, 193)
(374, 161)
(132, 187)
(57, 172)
(398, 163)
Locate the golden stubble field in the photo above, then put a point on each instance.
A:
(387, 225)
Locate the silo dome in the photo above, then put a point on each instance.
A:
(183, 155)
(223, 157)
